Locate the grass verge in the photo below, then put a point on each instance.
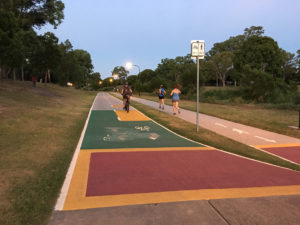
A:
(40, 128)
(208, 137)
(275, 120)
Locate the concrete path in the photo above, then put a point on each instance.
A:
(277, 144)
(128, 169)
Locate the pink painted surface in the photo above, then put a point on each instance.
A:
(144, 172)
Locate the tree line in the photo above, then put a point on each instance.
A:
(25, 54)
(253, 62)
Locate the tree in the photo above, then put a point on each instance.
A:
(8, 41)
(146, 75)
(298, 62)
(221, 63)
(254, 31)
(233, 44)
(132, 80)
(36, 13)
(121, 71)
(257, 84)
(261, 53)
(18, 17)
(290, 67)
(171, 69)
(84, 66)
(93, 80)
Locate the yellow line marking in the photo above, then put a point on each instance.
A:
(132, 115)
(78, 185)
(117, 106)
(278, 145)
(76, 197)
(150, 149)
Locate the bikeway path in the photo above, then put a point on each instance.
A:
(280, 145)
(127, 169)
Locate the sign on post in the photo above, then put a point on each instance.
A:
(197, 52)
(197, 49)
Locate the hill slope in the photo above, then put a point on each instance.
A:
(39, 130)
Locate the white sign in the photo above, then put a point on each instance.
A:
(197, 49)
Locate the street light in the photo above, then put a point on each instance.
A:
(115, 76)
(129, 66)
(100, 82)
(111, 80)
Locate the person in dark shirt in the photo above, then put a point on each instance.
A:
(161, 97)
(126, 92)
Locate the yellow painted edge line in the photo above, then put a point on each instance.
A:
(177, 196)
(76, 198)
(278, 145)
(149, 149)
(78, 185)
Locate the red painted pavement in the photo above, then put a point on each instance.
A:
(290, 153)
(144, 172)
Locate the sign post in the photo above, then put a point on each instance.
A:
(197, 52)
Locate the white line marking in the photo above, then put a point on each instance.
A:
(265, 139)
(220, 125)
(239, 131)
(293, 127)
(239, 156)
(64, 190)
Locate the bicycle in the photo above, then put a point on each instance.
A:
(126, 108)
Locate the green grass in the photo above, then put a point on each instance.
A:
(40, 128)
(210, 138)
(275, 120)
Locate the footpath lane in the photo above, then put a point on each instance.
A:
(280, 145)
(130, 170)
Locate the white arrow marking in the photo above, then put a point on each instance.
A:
(239, 131)
(221, 125)
(265, 139)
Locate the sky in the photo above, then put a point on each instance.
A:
(144, 32)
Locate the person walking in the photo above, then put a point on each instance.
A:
(161, 97)
(33, 79)
(126, 92)
(175, 99)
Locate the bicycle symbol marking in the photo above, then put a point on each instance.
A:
(145, 128)
(106, 138)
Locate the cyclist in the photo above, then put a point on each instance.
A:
(126, 92)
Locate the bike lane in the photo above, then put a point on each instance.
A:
(127, 159)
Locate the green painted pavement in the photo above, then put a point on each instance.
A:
(105, 131)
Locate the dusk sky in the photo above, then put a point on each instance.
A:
(144, 32)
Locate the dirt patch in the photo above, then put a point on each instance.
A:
(2, 109)
(44, 92)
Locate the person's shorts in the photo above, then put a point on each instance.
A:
(175, 100)
(161, 97)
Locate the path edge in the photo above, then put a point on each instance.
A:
(64, 190)
(230, 153)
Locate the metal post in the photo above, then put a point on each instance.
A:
(139, 77)
(197, 115)
(299, 119)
